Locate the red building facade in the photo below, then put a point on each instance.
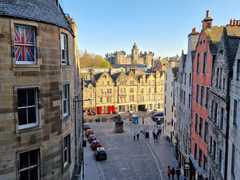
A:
(202, 73)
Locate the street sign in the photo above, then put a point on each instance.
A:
(135, 119)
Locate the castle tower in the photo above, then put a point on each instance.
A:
(135, 54)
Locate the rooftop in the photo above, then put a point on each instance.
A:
(47, 11)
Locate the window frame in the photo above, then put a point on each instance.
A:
(34, 45)
(36, 99)
(38, 164)
(67, 148)
(65, 42)
(67, 100)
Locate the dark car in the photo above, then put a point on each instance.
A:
(95, 144)
(100, 154)
(88, 132)
(86, 127)
(91, 138)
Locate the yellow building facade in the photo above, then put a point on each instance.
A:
(122, 92)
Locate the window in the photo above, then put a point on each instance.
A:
(210, 145)
(25, 44)
(215, 113)
(190, 79)
(101, 99)
(64, 48)
(200, 157)
(29, 165)
(233, 161)
(66, 100)
(196, 123)
(27, 106)
(197, 94)
(235, 107)
(202, 95)
(217, 78)
(212, 109)
(214, 150)
(195, 152)
(205, 163)
(204, 63)
(189, 100)
(206, 97)
(200, 126)
(132, 90)
(67, 150)
(220, 159)
(238, 69)
(222, 117)
(220, 79)
(198, 58)
(205, 131)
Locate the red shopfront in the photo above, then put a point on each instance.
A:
(106, 109)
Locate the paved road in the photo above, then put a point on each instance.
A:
(128, 159)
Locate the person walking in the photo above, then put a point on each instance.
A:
(169, 172)
(173, 173)
(178, 172)
(134, 137)
(137, 136)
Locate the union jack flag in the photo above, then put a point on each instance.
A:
(24, 43)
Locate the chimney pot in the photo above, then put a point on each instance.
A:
(207, 13)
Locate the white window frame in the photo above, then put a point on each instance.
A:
(31, 166)
(66, 99)
(64, 47)
(29, 45)
(30, 125)
(67, 149)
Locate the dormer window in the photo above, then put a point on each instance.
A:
(221, 52)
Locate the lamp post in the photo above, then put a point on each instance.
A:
(79, 127)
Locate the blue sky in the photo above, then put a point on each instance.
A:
(158, 25)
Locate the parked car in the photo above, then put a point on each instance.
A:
(100, 154)
(95, 144)
(91, 138)
(89, 132)
(86, 127)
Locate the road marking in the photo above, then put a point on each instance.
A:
(102, 176)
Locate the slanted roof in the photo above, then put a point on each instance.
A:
(47, 11)
(115, 76)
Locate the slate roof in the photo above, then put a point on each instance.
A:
(36, 10)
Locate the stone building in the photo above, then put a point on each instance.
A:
(136, 57)
(218, 102)
(123, 92)
(170, 103)
(234, 122)
(38, 123)
(184, 100)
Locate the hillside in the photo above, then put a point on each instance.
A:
(93, 61)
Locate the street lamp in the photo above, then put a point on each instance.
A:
(79, 128)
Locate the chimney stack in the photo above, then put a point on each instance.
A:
(207, 21)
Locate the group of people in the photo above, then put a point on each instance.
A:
(156, 134)
(136, 137)
(172, 171)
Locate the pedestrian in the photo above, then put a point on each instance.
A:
(137, 136)
(154, 136)
(178, 172)
(134, 137)
(173, 173)
(169, 172)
